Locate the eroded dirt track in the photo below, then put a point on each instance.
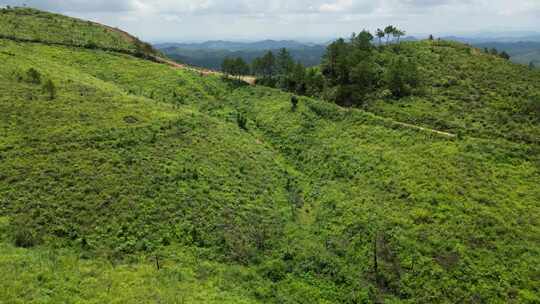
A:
(203, 72)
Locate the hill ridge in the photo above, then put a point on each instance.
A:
(140, 49)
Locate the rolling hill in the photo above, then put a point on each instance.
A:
(123, 180)
(522, 52)
(468, 92)
(30, 25)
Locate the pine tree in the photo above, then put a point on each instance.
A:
(50, 89)
(257, 66)
(397, 33)
(363, 41)
(284, 62)
(389, 30)
(505, 55)
(268, 64)
(314, 81)
(402, 76)
(380, 36)
(298, 79)
(335, 66)
(227, 66)
(240, 67)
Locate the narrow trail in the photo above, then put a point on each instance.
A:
(446, 134)
(205, 72)
(251, 80)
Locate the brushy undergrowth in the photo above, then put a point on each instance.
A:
(139, 183)
(467, 91)
(31, 25)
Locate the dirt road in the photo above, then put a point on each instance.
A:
(205, 72)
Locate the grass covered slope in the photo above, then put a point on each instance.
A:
(49, 275)
(123, 162)
(452, 220)
(466, 91)
(28, 24)
(104, 171)
(137, 183)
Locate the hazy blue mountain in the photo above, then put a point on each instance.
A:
(210, 54)
(238, 46)
(522, 52)
(524, 47)
(484, 38)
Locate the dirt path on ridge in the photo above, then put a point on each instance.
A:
(446, 134)
(205, 72)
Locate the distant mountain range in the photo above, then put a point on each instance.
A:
(239, 46)
(522, 49)
(211, 54)
(521, 52)
(493, 37)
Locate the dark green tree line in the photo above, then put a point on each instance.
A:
(235, 67)
(351, 73)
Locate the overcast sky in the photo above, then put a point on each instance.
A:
(197, 20)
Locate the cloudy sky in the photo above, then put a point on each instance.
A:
(197, 20)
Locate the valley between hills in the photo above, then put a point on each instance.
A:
(127, 178)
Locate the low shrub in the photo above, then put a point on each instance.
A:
(33, 76)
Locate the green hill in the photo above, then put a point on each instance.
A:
(523, 52)
(127, 181)
(30, 25)
(466, 91)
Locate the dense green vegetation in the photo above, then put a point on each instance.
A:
(442, 85)
(466, 91)
(235, 66)
(26, 24)
(126, 181)
(112, 173)
(524, 52)
(352, 72)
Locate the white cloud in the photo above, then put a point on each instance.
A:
(259, 19)
(337, 6)
(74, 5)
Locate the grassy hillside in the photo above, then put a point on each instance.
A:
(139, 183)
(466, 91)
(522, 52)
(112, 173)
(449, 209)
(28, 24)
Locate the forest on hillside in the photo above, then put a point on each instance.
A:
(211, 54)
(352, 72)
